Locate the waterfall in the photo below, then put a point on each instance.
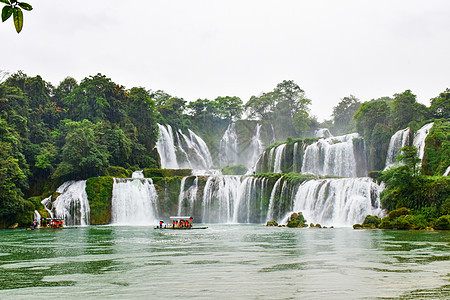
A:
(134, 202)
(272, 200)
(294, 158)
(322, 132)
(338, 202)
(399, 140)
(331, 156)
(219, 197)
(37, 217)
(166, 148)
(46, 203)
(278, 156)
(138, 174)
(72, 204)
(256, 147)
(419, 139)
(187, 197)
(178, 150)
(228, 150)
(447, 171)
(202, 149)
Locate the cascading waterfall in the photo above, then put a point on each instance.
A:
(294, 158)
(399, 140)
(178, 150)
(134, 202)
(256, 147)
(419, 139)
(187, 197)
(72, 204)
(219, 195)
(272, 199)
(229, 146)
(338, 202)
(37, 217)
(46, 203)
(278, 156)
(331, 156)
(166, 147)
(322, 132)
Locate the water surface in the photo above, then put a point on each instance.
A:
(224, 262)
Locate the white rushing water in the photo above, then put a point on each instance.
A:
(178, 150)
(187, 197)
(278, 156)
(419, 139)
(399, 140)
(447, 171)
(37, 217)
(72, 204)
(46, 202)
(228, 152)
(331, 156)
(322, 132)
(338, 202)
(134, 202)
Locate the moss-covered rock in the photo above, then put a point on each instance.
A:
(150, 173)
(234, 170)
(99, 192)
(272, 223)
(297, 220)
(118, 172)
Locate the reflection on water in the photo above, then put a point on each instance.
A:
(224, 261)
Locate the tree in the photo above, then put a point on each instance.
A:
(406, 110)
(14, 8)
(83, 154)
(286, 103)
(440, 106)
(343, 114)
(229, 107)
(96, 98)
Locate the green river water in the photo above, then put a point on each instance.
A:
(224, 262)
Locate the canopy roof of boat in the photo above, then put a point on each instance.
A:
(180, 217)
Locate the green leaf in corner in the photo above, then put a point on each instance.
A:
(6, 13)
(5, 1)
(25, 6)
(18, 19)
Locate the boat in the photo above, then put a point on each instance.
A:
(49, 223)
(179, 223)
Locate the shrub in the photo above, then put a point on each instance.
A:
(442, 223)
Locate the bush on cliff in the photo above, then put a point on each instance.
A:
(99, 192)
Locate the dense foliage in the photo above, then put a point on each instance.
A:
(73, 131)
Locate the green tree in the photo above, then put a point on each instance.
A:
(406, 110)
(83, 155)
(440, 106)
(230, 108)
(343, 114)
(96, 98)
(286, 107)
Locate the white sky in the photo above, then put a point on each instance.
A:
(208, 48)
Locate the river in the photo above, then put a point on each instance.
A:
(224, 262)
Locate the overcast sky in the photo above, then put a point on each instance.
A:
(204, 49)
